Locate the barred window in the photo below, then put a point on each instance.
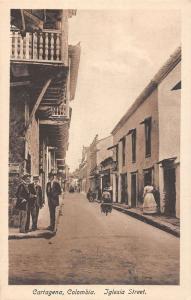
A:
(148, 137)
(123, 150)
(133, 139)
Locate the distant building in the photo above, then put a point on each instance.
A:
(83, 176)
(95, 166)
(147, 142)
(104, 162)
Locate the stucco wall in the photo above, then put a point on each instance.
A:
(16, 126)
(32, 139)
(20, 144)
(147, 109)
(169, 115)
(102, 146)
(169, 105)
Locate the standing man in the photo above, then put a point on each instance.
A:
(53, 190)
(35, 203)
(23, 197)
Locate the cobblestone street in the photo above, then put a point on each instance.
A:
(91, 248)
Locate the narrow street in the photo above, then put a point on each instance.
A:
(91, 248)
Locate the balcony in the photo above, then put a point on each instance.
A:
(59, 112)
(53, 115)
(42, 47)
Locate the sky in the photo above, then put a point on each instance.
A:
(121, 50)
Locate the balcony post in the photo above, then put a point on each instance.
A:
(52, 46)
(64, 37)
(57, 46)
(35, 51)
(46, 46)
(41, 46)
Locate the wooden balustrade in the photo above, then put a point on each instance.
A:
(41, 46)
(59, 111)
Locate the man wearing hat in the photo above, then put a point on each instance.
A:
(23, 196)
(35, 202)
(53, 190)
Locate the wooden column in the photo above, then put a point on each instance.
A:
(64, 37)
(39, 99)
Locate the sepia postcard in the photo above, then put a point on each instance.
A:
(95, 150)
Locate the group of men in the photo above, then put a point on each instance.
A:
(30, 200)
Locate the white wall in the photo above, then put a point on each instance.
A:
(102, 146)
(169, 104)
(169, 115)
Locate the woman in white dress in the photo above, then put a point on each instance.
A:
(149, 204)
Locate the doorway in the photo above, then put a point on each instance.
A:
(124, 197)
(116, 190)
(148, 176)
(170, 191)
(133, 190)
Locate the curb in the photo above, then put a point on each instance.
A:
(46, 234)
(148, 221)
(21, 236)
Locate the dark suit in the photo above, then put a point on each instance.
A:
(53, 190)
(22, 195)
(34, 204)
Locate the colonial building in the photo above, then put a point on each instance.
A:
(83, 175)
(92, 165)
(104, 162)
(43, 79)
(96, 164)
(147, 141)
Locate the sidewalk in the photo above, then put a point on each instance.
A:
(43, 223)
(166, 223)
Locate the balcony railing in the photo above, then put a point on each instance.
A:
(42, 46)
(59, 112)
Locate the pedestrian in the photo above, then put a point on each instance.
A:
(89, 193)
(53, 190)
(156, 195)
(149, 203)
(106, 196)
(106, 200)
(110, 189)
(22, 196)
(36, 202)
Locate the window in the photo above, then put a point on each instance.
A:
(148, 123)
(148, 176)
(116, 153)
(133, 139)
(123, 150)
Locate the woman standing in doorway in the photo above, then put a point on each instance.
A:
(149, 203)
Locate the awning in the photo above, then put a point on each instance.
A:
(131, 131)
(167, 161)
(122, 138)
(111, 147)
(146, 120)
